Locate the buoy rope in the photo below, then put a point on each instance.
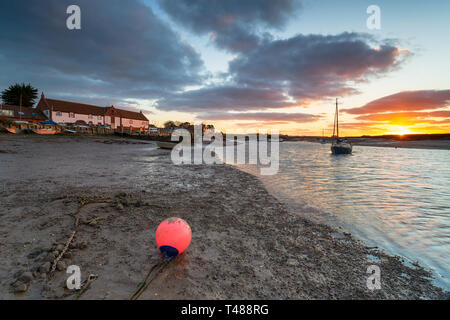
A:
(83, 202)
(142, 286)
(86, 284)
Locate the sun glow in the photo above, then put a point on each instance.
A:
(399, 130)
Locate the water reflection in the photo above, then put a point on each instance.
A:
(396, 199)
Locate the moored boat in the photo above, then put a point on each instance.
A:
(45, 131)
(323, 141)
(13, 130)
(339, 145)
(166, 145)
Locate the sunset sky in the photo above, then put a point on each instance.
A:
(240, 64)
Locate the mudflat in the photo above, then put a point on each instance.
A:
(110, 194)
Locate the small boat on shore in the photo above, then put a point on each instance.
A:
(339, 145)
(15, 127)
(12, 130)
(45, 131)
(166, 145)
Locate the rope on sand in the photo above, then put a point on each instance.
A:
(144, 284)
(83, 202)
(86, 284)
(55, 262)
(173, 236)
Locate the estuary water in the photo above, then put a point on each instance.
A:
(395, 199)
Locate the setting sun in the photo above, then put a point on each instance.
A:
(399, 130)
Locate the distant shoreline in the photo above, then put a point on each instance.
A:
(422, 144)
(440, 142)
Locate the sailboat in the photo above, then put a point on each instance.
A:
(339, 145)
(323, 141)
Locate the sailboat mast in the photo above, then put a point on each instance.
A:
(337, 119)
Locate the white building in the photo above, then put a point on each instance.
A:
(68, 112)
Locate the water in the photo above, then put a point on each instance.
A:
(396, 199)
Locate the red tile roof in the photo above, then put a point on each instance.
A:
(81, 108)
(131, 115)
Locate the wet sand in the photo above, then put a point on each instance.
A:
(245, 244)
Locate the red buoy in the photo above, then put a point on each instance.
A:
(173, 236)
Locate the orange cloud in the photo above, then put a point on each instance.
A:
(406, 101)
(407, 118)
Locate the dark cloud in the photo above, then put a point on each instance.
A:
(272, 117)
(315, 66)
(228, 97)
(406, 101)
(294, 71)
(235, 25)
(123, 50)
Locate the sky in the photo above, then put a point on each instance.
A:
(254, 64)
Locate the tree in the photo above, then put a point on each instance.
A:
(169, 124)
(14, 93)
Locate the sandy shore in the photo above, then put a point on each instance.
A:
(245, 244)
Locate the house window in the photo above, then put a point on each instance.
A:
(131, 121)
(99, 117)
(58, 113)
(71, 115)
(90, 116)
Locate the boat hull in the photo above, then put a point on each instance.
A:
(341, 149)
(45, 132)
(166, 145)
(13, 130)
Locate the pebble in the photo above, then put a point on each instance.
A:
(26, 277)
(120, 206)
(20, 287)
(45, 267)
(292, 262)
(67, 255)
(59, 247)
(61, 266)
